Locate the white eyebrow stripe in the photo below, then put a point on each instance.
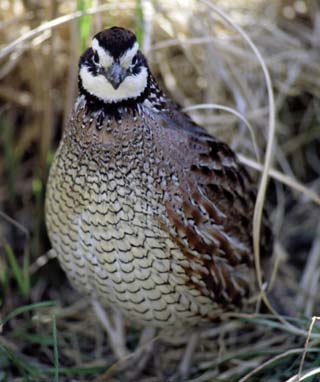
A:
(104, 56)
(127, 57)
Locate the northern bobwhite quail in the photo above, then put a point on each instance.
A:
(146, 211)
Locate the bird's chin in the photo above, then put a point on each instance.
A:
(99, 86)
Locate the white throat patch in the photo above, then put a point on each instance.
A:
(99, 86)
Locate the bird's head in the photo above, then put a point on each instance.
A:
(113, 69)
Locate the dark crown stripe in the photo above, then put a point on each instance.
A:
(116, 40)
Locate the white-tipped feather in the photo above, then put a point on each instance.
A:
(131, 87)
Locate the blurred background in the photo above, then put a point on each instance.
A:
(47, 331)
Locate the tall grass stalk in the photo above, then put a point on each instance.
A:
(84, 22)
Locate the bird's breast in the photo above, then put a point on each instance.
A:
(104, 221)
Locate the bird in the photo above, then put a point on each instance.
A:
(147, 212)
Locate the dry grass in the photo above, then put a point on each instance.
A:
(47, 331)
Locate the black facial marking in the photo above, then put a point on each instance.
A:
(138, 62)
(94, 103)
(116, 40)
(135, 59)
(96, 57)
(88, 60)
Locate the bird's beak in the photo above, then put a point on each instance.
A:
(116, 74)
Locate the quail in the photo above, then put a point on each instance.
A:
(147, 212)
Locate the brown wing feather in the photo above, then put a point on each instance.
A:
(211, 208)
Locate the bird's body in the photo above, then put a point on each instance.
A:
(146, 211)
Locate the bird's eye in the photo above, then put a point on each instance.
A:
(96, 58)
(134, 60)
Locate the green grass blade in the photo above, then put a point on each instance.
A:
(6, 138)
(55, 349)
(139, 29)
(84, 22)
(36, 339)
(22, 364)
(27, 308)
(38, 191)
(21, 274)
